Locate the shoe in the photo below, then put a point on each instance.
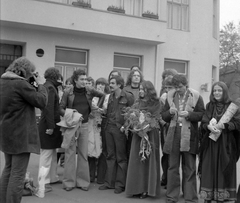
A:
(137, 195)
(48, 188)
(68, 189)
(83, 188)
(104, 187)
(56, 182)
(118, 190)
(163, 182)
(143, 195)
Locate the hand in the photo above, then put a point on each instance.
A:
(38, 79)
(183, 114)
(220, 126)
(101, 111)
(213, 129)
(49, 131)
(122, 129)
(173, 110)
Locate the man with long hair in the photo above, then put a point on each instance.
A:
(18, 128)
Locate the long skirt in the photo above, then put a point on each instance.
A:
(144, 176)
(214, 185)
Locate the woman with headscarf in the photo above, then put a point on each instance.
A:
(217, 168)
(143, 177)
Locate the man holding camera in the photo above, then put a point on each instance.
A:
(18, 129)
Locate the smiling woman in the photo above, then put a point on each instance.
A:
(221, 153)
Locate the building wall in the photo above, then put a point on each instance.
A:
(103, 33)
(101, 51)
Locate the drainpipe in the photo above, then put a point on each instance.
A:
(156, 69)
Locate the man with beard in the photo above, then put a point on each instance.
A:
(115, 138)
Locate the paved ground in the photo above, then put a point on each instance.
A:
(58, 195)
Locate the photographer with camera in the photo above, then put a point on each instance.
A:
(18, 129)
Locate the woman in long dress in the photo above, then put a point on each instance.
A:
(143, 177)
(218, 158)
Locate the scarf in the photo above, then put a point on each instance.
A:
(190, 102)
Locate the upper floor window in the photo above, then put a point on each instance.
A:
(123, 63)
(178, 14)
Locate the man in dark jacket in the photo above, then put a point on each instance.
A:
(18, 129)
(184, 109)
(78, 97)
(115, 138)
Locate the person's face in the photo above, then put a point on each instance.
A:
(101, 87)
(217, 92)
(141, 92)
(181, 89)
(89, 83)
(168, 88)
(136, 77)
(81, 81)
(113, 85)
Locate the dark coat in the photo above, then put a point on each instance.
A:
(49, 117)
(68, 98)
(18, 128)
(125, 99)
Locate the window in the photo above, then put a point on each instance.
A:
(214, 74)
(123, 63)
(179, 66)
(215, 19)
(178, 14)
(68, 60)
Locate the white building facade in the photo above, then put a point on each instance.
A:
(102, 35)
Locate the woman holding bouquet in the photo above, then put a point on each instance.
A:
(218, 158)
(143, 176)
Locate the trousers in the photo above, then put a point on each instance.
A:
(48, 159)
(13, 175)
(116, 158)
(189, 182)
(79, 176)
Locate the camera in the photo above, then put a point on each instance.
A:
(31, 80)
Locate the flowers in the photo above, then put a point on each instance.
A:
(140, 122)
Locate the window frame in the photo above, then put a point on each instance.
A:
(64, 65)
(181, 4)
(179, 61)
(73, 49)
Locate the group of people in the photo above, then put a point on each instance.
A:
(89, 119)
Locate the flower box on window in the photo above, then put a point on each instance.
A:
(149, 14)
(116, 9)
(82, 4)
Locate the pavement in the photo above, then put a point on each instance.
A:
(93, 195)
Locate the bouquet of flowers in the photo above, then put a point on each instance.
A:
(140, 122)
